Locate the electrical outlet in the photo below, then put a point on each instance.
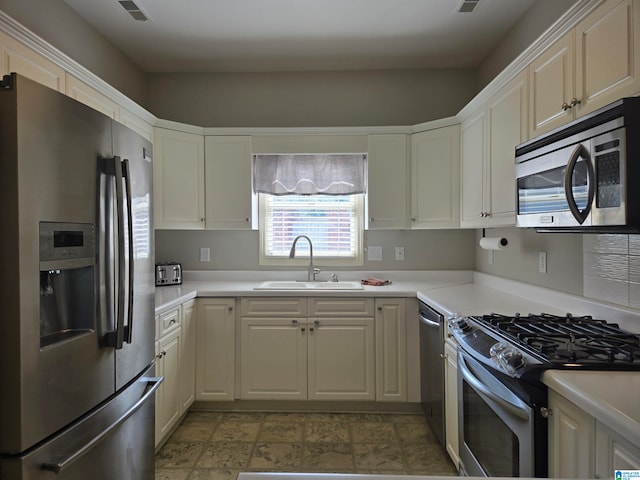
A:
(374, 254)
(542, 262)
(400, 253)
(205, 254)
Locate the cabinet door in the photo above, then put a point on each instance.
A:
(83, 93)
(507, 116)
(571, 440)
(435, 178)
(228, 182)
(188, 355)
(388, 185)
(451, 402)
(614, 453)
(608, 55)
(551, 78)
(472, 164)
(341, 359)
(215, 372)
(18, 58)
(391, 350)
(178, 180)
(168, 395)
(273, 359)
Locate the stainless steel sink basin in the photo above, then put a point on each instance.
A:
(295, 285)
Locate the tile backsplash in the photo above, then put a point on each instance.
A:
(611, 268)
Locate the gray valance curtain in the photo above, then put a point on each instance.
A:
(304, 174)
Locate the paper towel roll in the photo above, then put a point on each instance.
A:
(493, 243)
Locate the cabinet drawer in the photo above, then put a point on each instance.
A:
(169, 321)
(273, 307)
(330, 307)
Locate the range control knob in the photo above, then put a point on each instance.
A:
(516, 361)
(463, 326)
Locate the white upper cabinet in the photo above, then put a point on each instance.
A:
(551, 78)
(228, 181)
(590, 67)
(19, 58)
(488, 142)
(472, 165)
(178, 174)
(608, 54)
(435, 178)
(388, 185)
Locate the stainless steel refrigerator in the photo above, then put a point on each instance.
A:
(77, 375)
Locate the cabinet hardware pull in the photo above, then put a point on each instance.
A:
(413, 219)
(294, 322)
(565, 106)
(247, 219)
(316, 323)
(230, 308)
(574, 102)
(311, 329)
(371, 219)
(302, 329)
(202, 220)
(379, 308)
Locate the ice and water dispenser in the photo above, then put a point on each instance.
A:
(67, 260)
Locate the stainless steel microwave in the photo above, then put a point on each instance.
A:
(584, 176)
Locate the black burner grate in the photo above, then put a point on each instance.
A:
(568, 339)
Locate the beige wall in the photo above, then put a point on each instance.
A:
(310, 99)
(59, 25)
(238, 250)
(519, 261)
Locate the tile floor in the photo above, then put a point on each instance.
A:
(217, 446)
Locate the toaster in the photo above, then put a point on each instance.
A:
(169, 273)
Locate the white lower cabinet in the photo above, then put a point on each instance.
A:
(175, 361)
(188, 355)
(614, 453)
(215, 346)
(581, 446)
(391, 350)
(451, 402)
(297, 349)
(168, 401)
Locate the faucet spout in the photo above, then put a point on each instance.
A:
(312, 271)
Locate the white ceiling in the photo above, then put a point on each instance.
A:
(302, 35)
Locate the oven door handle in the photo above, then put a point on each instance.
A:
(476, 383)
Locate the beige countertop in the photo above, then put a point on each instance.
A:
(613, 398)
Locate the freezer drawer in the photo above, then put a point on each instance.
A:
(114, 441)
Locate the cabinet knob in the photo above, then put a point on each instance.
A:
(230, 308)
(294, 322)
(303, 329)
(379, 308)
(248, 219)
(565, 106)
(202, 220)
(574, 102)
(371, 219)
(413, 219)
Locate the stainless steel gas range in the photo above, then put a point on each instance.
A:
(502, 406)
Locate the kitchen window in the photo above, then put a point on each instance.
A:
(321, 196)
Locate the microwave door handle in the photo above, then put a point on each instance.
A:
(578, 152)
(126, 175)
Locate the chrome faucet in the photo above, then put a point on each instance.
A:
(313, 271)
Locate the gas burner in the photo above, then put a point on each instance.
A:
(568, 339)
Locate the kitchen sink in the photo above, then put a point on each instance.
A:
(303, 285)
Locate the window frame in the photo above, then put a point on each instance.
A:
(303, 259)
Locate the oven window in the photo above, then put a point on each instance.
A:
(544, 192)
(491, 442)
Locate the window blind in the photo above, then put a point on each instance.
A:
(330, 222)
(304, 174)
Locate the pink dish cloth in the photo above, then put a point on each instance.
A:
(376, 282)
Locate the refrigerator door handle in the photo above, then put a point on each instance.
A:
(126, 174)
(115, 338)
(152, 385)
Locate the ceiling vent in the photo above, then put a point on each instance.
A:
(467, 6)
(134, 10)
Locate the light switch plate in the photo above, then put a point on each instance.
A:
(374, 254)
(400, 253)
(542, 262)
(205, 254)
